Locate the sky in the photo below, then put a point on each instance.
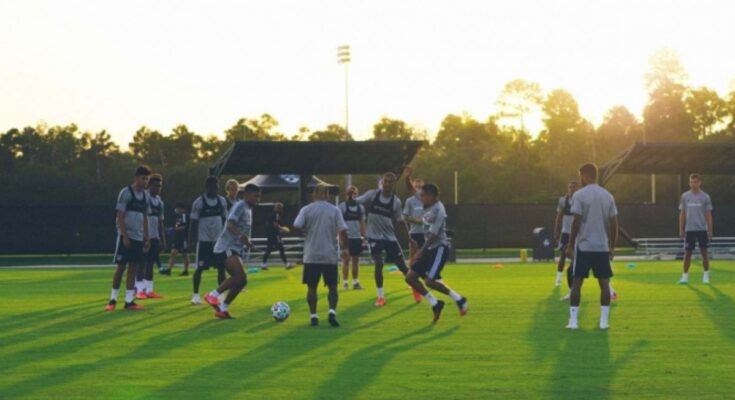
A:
(121, 65)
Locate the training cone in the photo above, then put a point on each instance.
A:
(631, 265)
(392, 268)
(253, 270)
(498, 266)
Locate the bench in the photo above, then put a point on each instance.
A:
(658, 248)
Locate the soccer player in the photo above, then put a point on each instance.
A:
(228, 251)
(208, 216)
(432, 255)
(413, 211)
(562, 229)
(181, 245)
(275, 239)
(384, 211)
(321, 222)
(132, 237)
(354, 215)
(156, 232)
(695, 225)
(592, 241)
(232, 187)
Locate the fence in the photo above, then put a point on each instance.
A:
(91, 229)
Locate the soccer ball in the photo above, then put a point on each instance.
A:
(280, 311)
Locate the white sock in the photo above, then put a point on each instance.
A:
(149, 286)
(196, 295)
(706, 274)
(573, 314)
(380, 292)
(224, 306)
(604, 314)
(139, 286)
(314, 316)
(685, 275)
(559, 275)
(113, 295)
(333, 311)
(214, 293)
(430, 298)
(355, 281)
(455, 296)
(129, 295)
(345, 281)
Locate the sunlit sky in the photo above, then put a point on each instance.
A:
(120, 65)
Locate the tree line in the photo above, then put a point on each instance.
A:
(498, 159)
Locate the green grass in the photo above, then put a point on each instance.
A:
(666, 341)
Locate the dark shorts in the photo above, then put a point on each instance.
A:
(563, 241)
(392, 249)
(205, 256)
(418, 238)
(355, 247)
(313, 272)
(597, 261)
(694, 237)
(219, 258)
(180, 242)
(274, 241)
(153, 252)
(132, 254)
(431, 263)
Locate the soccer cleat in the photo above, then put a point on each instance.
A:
(111, 305)
(289, 266)
(357, 286)
(614, 296)
(264, 267)
(683, 281)
(196, 300)
(705, 280)
(380, 302)
(212, 301)
(133, 307)
(185, 273)
(314, 321)
(223, 315)
(345, 286)
(572, 325)
(437, 309)
(604, 325)
(141, 296)
(165, 271)
(417, 297)
(153, 295)
(557, 283)
(463, 306)
(565, 297)
(333, 321)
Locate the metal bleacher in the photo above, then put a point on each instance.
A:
(660, 248)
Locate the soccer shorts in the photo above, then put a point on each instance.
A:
(154, 251)
(205, 255)
(563, 241)
(597, 261)
(180, 242)
(418, 238)
(355, 247)
(314, 272)
(132, 254)
(431, 263)
(392, 249)
(694, 237)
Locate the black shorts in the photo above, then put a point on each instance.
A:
(392, 249)
(205, 256)
(132, 254)
(694, 237)
(431, 263)
(153, 252)
(418, 238)
(218, 259)
(597, 261)
(274, 241)
(181, 242)
(355, 247)
(313, 272)
(563, 241)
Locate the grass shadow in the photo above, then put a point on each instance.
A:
(720, 309)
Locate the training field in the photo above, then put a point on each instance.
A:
(666, 341)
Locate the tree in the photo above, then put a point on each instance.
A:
(707, 110)
(333, 132)
(392, 129)
(517, 99)
(618, 131)
(665, 117)
(263, 128)
(148, 147)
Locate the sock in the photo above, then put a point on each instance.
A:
(314, 316)
(573, 314)
(139, 286)
(113, 296)
(224, 306)
(430, 298)
(380, 292)
(214, 293)
(604, 314)
(559, 275)
(355, 281)
(129, 295)
(332, 311)
(149, 286)
(706, 274)
(345, 281)
(455, 296)
(685, 275)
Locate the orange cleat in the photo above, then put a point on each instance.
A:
(212, 301)
(111, 305)
(380, 302)
(223, 315)
(153, 295)
(141, 296)
(133, 307)
(416, 295)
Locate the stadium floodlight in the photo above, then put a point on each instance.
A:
(344, 56)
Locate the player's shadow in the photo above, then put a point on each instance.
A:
(719, 308)
(545, 333)
(368, 363)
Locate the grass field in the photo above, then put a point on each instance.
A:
(666, 341)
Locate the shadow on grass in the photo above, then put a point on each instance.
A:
(720, 309)
(545, 333)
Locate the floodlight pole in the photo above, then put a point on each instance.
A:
(344, 57)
